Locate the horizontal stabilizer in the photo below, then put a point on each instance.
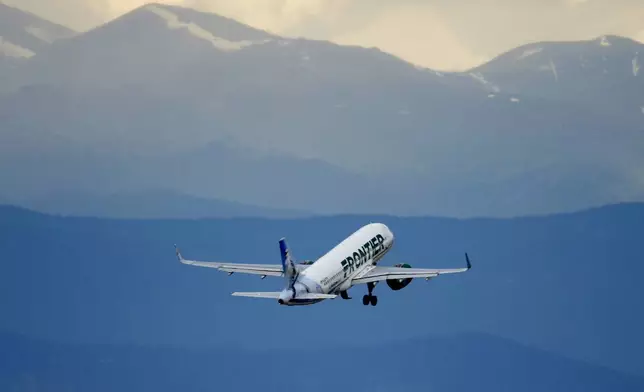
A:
(276, 295)
(271, 295)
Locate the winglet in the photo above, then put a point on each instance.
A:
(467, 260)
(178, 253)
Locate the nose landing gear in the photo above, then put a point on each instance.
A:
(370, 298)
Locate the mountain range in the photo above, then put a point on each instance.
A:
(566, 284)
(462, 362)
(171, 98)
(157, 203)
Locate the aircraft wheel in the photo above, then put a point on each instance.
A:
(374, 300)
(365, 300)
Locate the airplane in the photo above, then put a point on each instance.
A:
(352, 262)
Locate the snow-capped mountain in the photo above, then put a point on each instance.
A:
(357, 130)
(23, 35)
(592, 72)
(160, 43)
(226, 76)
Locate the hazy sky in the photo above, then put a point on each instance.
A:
(441, 34)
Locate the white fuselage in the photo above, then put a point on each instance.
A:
(351, 258)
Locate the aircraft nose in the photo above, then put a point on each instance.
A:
(390, 235)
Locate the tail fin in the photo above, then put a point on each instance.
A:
(288, 263)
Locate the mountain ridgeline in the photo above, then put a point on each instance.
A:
(457, 363)
(26, 33)
(23, 36)
(200, 105)
(568, 285)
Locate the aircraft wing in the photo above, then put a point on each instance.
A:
(256, 269)
(385, 273)
(276, 295)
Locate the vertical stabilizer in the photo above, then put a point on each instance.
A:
(288, 263)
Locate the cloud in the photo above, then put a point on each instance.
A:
(640, 36)
(575, 3)
(419, 34)
(310, 18)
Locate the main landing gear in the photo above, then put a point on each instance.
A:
(370, 298)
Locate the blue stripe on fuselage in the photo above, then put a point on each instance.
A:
(302, 302)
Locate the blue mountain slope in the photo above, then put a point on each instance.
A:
(235, 174)
(565, 283)
(453, 363)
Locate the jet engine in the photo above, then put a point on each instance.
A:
(398, 284)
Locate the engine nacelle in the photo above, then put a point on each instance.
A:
(398, 284)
